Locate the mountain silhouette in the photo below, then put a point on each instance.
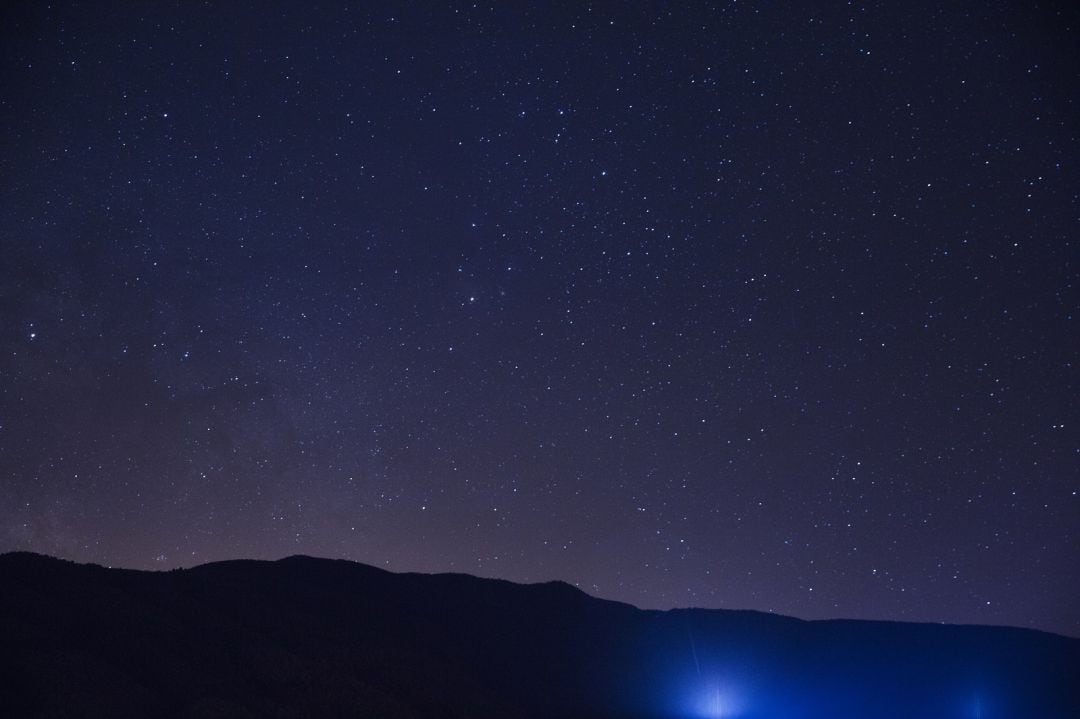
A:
(305, 637)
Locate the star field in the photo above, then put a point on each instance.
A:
(728, 305)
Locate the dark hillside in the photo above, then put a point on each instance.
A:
(322, 638)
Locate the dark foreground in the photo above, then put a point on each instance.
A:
(306, 637)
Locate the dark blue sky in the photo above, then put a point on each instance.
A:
(731, 305)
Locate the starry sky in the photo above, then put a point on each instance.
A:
(733, 305)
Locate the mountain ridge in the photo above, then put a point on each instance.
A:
(306, 636)
(551, 582)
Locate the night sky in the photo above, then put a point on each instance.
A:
(731, 305)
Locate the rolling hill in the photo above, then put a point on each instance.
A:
(305, 637)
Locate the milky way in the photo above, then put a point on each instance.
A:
(733, 305)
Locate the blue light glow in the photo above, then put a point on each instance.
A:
(715, 700)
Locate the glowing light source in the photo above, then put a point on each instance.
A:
(716, 700)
